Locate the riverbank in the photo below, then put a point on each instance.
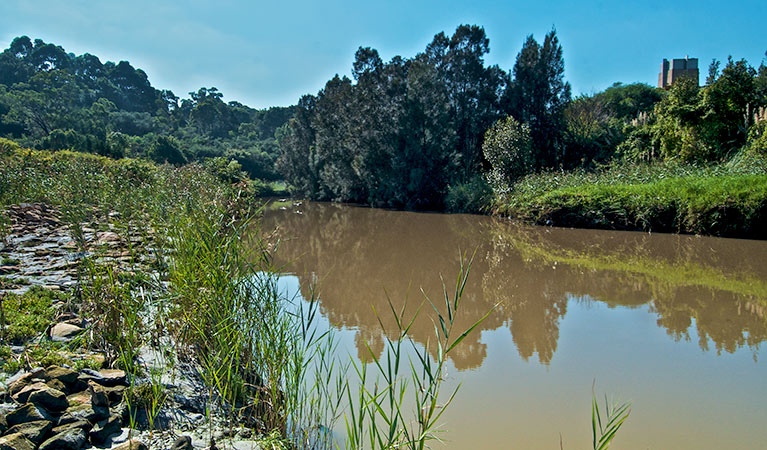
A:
(158, 275)
(727, 200)
(115, 334)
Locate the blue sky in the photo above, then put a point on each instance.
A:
(270, 53)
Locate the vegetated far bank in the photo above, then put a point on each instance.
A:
(444, 131)
(728, 200)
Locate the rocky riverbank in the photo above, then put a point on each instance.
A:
(80, 402)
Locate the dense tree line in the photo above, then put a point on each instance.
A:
(403, 132)
(56, 100)
(442, 129)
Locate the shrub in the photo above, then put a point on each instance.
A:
(508, 149)
(470, 197)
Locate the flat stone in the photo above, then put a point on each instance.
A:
(50, 399)
(56, 384)
(83, 424)
(107, 236)
(104, 377)
(16, 441)
(84, 412)
(133, 444)
(64, 332)
(72, 439)
(66, 376)
(22, 395)
(34, 431)
(79, 398)
(23, 380)
(26, 413)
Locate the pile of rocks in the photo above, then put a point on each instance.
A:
(45, 253)
(59, 408)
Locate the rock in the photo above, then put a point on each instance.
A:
(83, 424)
(64, 332)
(26, 413)
(56, 384)
(79, 398)
(115, 394)
(183, 443)
(22, 396)
(24, 380)
(75, 321)
(104, 377)
(98, 394)
(107, 236)
(84, 412)
(72, 439)
(66, 376)
(16, 441)
(50, 399)
(34, 431)
(112, 377)
(133, 444)
(104, 429)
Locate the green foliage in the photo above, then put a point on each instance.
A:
(166, 150)
(26, 316)
(538, 95)
(229, 171)
(757, 139)
(472, 196)
(8, 363)
(8, 146)
(401, 134)
(604, 429)
(54, 100)
(625, 102)
(508, 149)
(721, 200)
(709, 123)
(44, 354)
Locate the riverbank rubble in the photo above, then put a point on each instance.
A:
(79, 402)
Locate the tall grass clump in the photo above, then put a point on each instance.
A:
(400, 404)
(606, 423)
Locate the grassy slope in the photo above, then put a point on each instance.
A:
(718, 200)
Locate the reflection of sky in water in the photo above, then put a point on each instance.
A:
(673, 323)
(683, 397)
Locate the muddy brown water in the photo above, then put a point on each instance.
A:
(675, 324)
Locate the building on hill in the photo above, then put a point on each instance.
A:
(676, 69)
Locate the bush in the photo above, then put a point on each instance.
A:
(508, 149)
(7, 146)
(472, 196)
(166, 150)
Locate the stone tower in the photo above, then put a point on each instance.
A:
(676, 69)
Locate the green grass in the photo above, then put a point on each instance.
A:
(716, 200)
(27, 316)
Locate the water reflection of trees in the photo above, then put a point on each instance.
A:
(360, 255)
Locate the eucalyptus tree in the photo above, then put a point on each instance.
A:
(538, 95)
